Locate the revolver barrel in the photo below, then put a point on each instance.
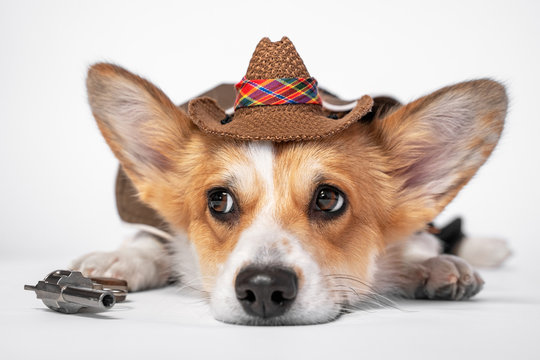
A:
(99, 299)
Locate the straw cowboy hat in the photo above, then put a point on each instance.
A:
(277, 100)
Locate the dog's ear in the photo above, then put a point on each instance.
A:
(141, 125)
(437, 143)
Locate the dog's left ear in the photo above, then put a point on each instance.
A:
(437, 143)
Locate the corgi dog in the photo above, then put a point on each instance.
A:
(295, 232)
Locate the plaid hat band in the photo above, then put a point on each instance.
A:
(276, 92)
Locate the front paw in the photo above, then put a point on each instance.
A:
(140, 271)
(448, 277)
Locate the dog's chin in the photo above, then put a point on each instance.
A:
(283, 320)
(231, 312)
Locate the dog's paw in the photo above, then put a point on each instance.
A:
(484, 252)
(141, 270)
(448, 277)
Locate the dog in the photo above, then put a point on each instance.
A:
(280, 224)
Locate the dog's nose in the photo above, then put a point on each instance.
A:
(266, 292)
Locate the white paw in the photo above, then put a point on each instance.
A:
(143, 266)
(484, 252)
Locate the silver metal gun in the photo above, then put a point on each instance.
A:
(69, 291)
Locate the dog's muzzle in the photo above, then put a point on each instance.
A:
(266, 292)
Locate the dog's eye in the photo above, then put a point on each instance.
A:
(329, 199)
(220, 202)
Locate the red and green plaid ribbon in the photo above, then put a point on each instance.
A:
(276, 92)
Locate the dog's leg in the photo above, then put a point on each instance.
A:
(484, 251)
(477, 251)
(416, 269)
(143, 261)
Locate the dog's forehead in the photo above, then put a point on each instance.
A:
(244, 166)
(270, 165)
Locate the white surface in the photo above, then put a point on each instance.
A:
(500, 323)
(56, 183)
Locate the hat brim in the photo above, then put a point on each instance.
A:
(274, 122)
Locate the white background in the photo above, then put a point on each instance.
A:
(57, 174)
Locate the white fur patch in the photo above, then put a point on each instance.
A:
(185, 264)
(421, 246)
(484, 252)
(262, 159)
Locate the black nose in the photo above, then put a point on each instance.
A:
(266, 291)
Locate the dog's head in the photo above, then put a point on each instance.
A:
(288, 233)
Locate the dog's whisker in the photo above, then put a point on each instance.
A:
(366, 296)
(372, 291)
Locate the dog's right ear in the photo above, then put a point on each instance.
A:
(142, 126)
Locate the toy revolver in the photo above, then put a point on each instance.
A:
(69, 291)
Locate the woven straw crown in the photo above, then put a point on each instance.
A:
(273, 60)
(285, 122)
